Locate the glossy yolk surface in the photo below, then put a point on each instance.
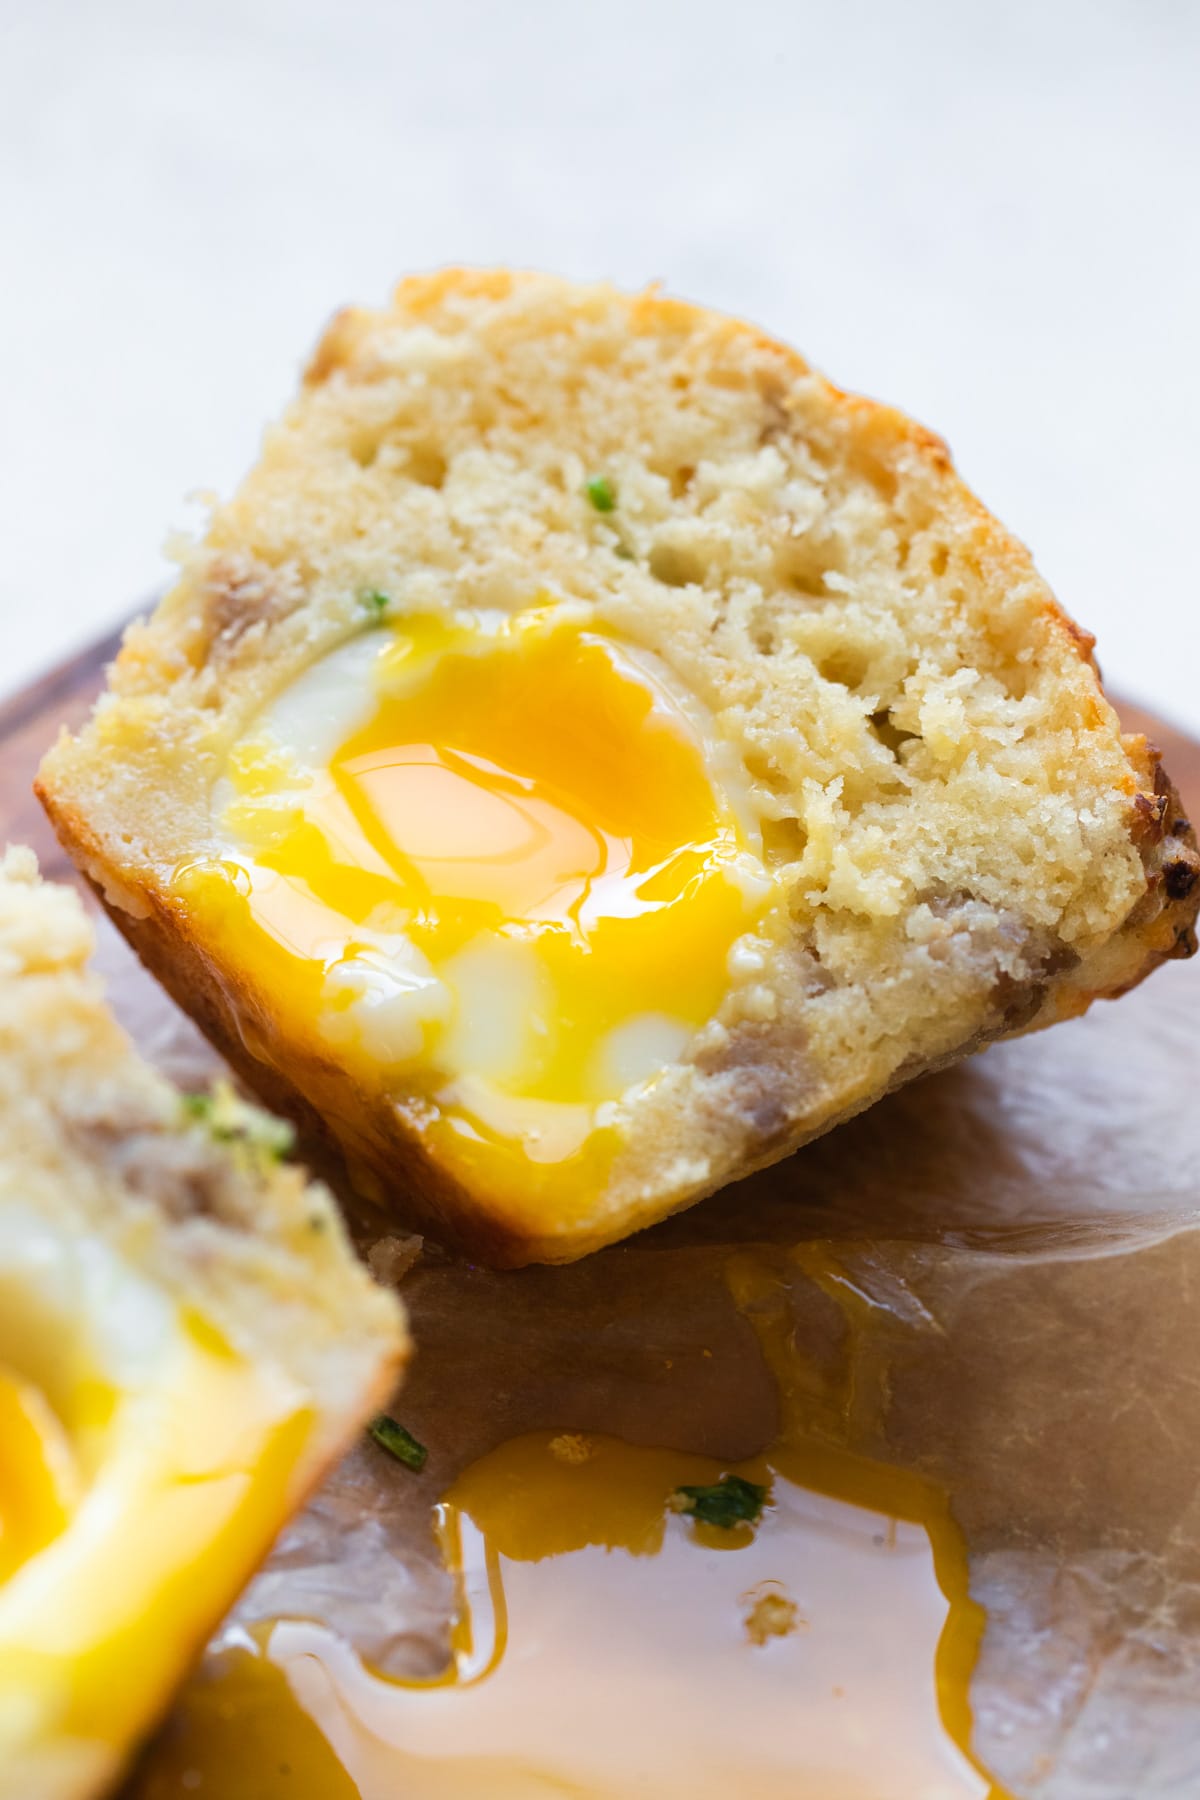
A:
(136, 1496)
(607, 1648)
(509, 888)
(37, 1472)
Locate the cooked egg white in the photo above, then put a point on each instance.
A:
(499, 863)
(143, 1465)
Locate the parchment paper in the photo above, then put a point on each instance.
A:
(1027, 1228)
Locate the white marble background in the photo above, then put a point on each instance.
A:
(988, 214)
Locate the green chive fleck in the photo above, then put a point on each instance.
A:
(376, 603)
(391, 1436)
(601, 492)
(229, 1120)
(729, 1502)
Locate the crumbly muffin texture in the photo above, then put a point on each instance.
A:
(962, 843)
(193, 1189)
(186, 1340)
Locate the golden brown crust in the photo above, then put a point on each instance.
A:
(753, 1094)
(385, 1154)
(385, 1158)
(200, 1222)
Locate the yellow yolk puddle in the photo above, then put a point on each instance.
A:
(608, 1648)
(507, 890)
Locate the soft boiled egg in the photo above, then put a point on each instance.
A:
(143, 1468)
(186, 1343)
(497, 862)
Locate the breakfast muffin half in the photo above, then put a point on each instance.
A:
(592, 755)
(186, 1344)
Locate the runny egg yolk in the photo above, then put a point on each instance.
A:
(496, 862)
(606, 1644)
(37, 1472)
(144, 1468)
